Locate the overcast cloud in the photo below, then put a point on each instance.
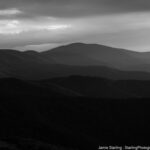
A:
(50, 23)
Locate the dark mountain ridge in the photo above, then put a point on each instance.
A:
(75, 86)
(75, 59)
(94, 54)
(104, 88)
(103, 113)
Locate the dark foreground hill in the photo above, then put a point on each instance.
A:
(75, 86)
(15, 87)
(104, 88)
(35, 113)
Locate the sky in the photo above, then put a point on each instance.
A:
(45, 24)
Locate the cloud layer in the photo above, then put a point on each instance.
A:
(119, 23)
(73, 8)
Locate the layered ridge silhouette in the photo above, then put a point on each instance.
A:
(75, 86)
(75, 59)
(77, 96)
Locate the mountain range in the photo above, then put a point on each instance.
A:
(75, 59)
(77, 96)
(76, 70)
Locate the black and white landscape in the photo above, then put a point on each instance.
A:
(67, 97)
(74, 75)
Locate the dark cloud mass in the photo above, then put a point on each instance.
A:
(69, 8)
